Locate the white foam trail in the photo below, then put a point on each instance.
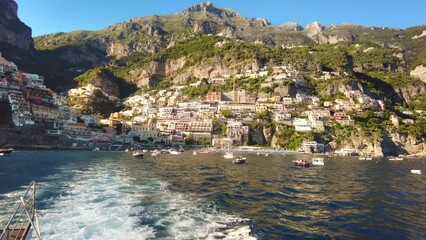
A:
(95, 207)
(103, 203)
(187, 218)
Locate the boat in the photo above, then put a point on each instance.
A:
(416, 171)
(194, 153)
(174, 152)
(318, 161)
(228, 155)
(368, 158)
(396, 159)
(6, 151)
(1, 154)
(301, 163)
(24, 220)
(156, 153)
(239, 160)
(138, 154)
(96, 149)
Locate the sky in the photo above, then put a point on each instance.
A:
(50, 16)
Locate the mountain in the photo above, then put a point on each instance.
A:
(13, 32)
(16, 42)
(61, 57)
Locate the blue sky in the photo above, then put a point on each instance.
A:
(49, 16)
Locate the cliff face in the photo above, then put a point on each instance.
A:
(13, 32)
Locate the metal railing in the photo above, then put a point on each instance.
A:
(24, 219)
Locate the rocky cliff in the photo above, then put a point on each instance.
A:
(13, 32)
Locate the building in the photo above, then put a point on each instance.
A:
(39, 96)
(200, 126)
(217, 80)
(238, 108)
(313, 147)
(145, 131)
(42, 113)
(214, 97)
(35, 81)
(78, 131)
(342, 118)
(301, 124)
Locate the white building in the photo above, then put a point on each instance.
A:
(301, 124)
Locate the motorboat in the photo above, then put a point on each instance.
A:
(24, 220)
(6, 151)
(194, 153)
(365, 158)
(138, 154)
(156, 153)
(416, 171)
(396, 159)
(318, 161)
(228, 155)
(301, 163)
(239, 160)
(174, 152)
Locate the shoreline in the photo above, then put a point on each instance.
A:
(259, 151)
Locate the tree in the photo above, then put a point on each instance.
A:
(190, 140)
(136, 139)
(226, 113)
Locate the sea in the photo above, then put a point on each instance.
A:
(111, 195)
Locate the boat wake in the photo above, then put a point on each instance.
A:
(105, 203)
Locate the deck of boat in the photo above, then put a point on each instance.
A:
(16, 233)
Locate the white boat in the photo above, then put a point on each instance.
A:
(138, 154)
(24, 220)
(239, 160)
(396, 159)
(416, 171)
(368, 158)
(228, 155)
(194, 153)
(1, 154)
(174, 152)
(155, 153)
(318, 161)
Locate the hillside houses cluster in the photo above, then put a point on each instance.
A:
(167, 116)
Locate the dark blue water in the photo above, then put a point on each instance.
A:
(93, 195)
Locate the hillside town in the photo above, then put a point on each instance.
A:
(167, 117)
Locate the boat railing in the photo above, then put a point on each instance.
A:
(24, 219)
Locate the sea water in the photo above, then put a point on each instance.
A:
(111, 195)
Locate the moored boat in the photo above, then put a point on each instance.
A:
(228, 155)
(396, 159)
(318, 161)
(138, 154)
(416, 171)
(301, 163)
(239, 160)
(156, 153)
(6, 151)
(174, 152)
